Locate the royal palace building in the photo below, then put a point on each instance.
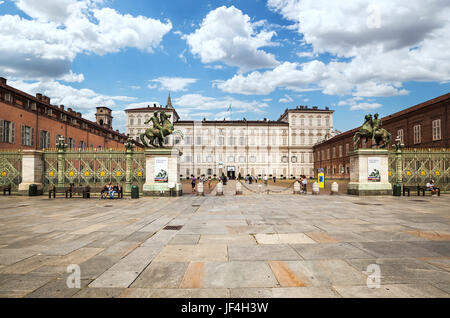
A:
(32, 122)
(281, 148)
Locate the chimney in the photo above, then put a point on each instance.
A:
(327, 108)
(3, 80)
(69, 110)
(79, 115)
(46, 99)
(61, 107)
(39, 96)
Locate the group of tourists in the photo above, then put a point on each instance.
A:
(109, 191)
(202, 179)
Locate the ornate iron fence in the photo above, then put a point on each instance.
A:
(11, 168)
(93, 167)
(420, 165)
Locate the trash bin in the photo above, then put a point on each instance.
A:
(397, 190)
(32, 190)
(134, 192)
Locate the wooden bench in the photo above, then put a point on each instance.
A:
(118, 194)
(53, 191)
(6, 188)
(424, 190)
(407, 189)
(83, 191)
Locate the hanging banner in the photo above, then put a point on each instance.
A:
(373, 169)
(162, 169)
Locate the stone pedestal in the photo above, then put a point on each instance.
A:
(32, 172)
(374, 182)
(162, 172)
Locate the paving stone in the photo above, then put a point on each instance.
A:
(56, 289)
(175, 293)
(120, 248)
(322, 237)
(110, 279)
(291, 238)
(99, 293)
(229, 239)
(379, 236)
(161, 275)
(138, 259)
(185, 239)
(27, 282)
(25, 266)
(238, 274)
(397, 249)
(301, 292)
(404, 270)
(262, 253)
(330, 251)
(392, 291)
(187, 253)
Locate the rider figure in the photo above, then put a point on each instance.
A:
(376, 126)
(156, 123)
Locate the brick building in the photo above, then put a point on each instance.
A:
(425, 125)
(31, 122)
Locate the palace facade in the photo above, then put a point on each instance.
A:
(31, 122)
(425, 125)
(280, 148)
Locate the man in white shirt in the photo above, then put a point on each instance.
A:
(304, 183)
(430, 187)
(265, 179)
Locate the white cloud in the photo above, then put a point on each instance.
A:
(227, 35)
(286, 99)
(46, 45)
(385, 42)
(410, 44)
(142, 104)
(193, 106)
(172, 84)
(79, 99)
(292, 76)
(357, 103)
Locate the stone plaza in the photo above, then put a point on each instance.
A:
(255, 245)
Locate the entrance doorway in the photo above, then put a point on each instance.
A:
(231, 173)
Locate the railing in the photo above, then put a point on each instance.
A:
(419, 165)
(11, 168)
(93, 167)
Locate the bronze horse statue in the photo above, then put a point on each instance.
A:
(162, 128)
(380, 137)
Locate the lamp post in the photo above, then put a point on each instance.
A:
(398, 187)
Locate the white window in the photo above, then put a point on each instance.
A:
(241, 159)
(187, 159)
(436, 124)
(417, 136)
(7, 131)
(221, 140)
(81, 144)
(44, 139)
(340, 151)
(334, 152)
(252, 159)
(199, 140)
(27, 136)
(231, 141)
(400, 135)
(242, 141)
(347, 148)
(131, 121)
(328, 153)
(188, 140)
(230, 158)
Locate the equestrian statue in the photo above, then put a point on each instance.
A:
(162, 128)
(371, 129)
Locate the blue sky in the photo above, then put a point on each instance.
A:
(259, 56)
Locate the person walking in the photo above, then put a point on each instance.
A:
(265, 180)
(193, 181)
(304, 184)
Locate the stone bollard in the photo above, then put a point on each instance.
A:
(200, 189)
(315, 188)
(334, 188)
(238, 188)
(297, 187)
(219, 188)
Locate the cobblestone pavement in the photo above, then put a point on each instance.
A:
(254, 245)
